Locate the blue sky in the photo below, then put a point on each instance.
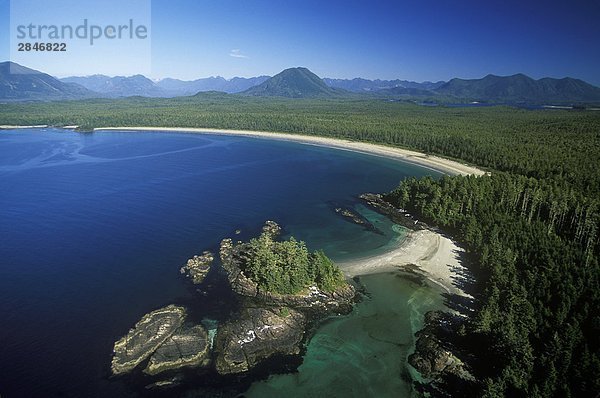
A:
(413, 40)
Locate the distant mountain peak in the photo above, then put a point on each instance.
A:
(19, 83)
(298, 82)
(14, 68)
(209, 84)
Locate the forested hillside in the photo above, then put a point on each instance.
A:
(540, 144)
(536, 244)
(532, 225)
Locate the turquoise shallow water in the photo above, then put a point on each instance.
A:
(94, 229)
(362, 354)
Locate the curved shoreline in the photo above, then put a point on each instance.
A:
(427, 253)
(443, 165)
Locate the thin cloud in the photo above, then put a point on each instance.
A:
(236, 53)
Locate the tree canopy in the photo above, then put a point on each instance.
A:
(532, 225)
(287, 267)
(536, 244)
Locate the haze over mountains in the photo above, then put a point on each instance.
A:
(18, 83)
(121, 86)
(32, 85)
(230, 86)
(358, 85)
(521, 88)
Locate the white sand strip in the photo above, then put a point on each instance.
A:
(11, 127)
(444, 165)
(436, 256)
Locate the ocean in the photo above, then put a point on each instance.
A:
(95, 226)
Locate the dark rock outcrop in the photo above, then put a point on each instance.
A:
(239, 282)
(161, 336)
(398, 216)
(198, 267)
(271, 228)
(189, 346)
(147, 335)
(166, 383)
(355, 218)
(256, 334)
(267, 323)
(432, 358)
(314, 299)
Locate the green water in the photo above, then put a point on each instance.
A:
(343, 241)
(363, 354)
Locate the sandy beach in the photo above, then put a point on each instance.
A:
(424, 252)
(434, 162)
(11, 127)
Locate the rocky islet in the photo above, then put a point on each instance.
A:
(266, 323)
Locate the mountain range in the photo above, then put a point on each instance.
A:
(521, 88)
(118, 86)
(18, 83)
(121, 86)
(230, 86)
(359, 85)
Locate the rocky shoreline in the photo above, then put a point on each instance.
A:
(313, 300)
(398, 216)
(256, 334)
(146, 337)
(349, 214)
(266, 324)
(197, 267)
(435, 358)
(165, 341)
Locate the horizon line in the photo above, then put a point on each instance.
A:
(295, 67)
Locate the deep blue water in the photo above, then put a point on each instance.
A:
(94, 228)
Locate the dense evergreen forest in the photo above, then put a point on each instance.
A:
(287, 267)
(539, 144)
(536, 242)
(532, 225)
